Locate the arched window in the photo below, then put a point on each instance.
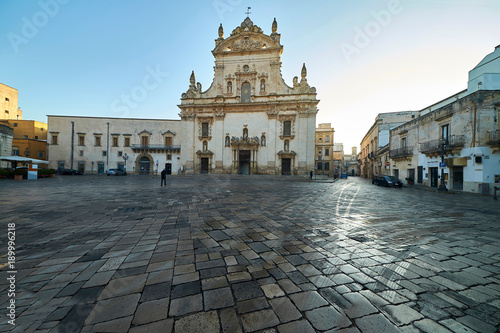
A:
(246, 93)
(262, 85)
(229, 87)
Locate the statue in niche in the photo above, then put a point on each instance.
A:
(263, 140)
(229, 87)
(227, 141)
(262, 85)
(286, 145)
(245, 133)
(205, 146)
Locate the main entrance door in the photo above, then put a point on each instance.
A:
(204, 165)
(168, 168)
(434, 177)
(285, 166)
(144, 165)
(244, 162)
(458, 178)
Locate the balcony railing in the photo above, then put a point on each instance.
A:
(401, 152)
(494, 138)
(435, 146)
(155, 147)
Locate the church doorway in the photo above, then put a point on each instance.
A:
(244, 159)
(204, 165)
(168, 168)
(285, 166)
(144, 165)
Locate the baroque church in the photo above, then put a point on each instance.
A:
(249, 121)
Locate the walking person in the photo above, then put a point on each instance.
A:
(163, 177)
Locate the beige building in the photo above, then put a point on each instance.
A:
(8, 99)
(6, 136)
(324, 149)
(30, 138)
(94, 145)
(377, 137)
(351, 162)
(249, 120)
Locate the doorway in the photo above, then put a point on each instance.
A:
(420, 174)
(286, 166)
(204, 165)
(168, 168)
(458, 178)
(434, 177)
(144, 165)
(244, 159)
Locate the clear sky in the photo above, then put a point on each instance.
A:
(80, 58)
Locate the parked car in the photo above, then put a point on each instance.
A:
(387, 181)
(116, 172)
(68, 172)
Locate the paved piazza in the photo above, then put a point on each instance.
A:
(230, 253)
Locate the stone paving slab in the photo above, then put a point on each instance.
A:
(231, 253)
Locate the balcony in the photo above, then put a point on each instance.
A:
(372, 155)
(494, 140)
(154, 148)
(401, 152)
(453, 145)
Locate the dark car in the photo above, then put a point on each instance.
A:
(68, 172)
(116, 172)
(387, 181)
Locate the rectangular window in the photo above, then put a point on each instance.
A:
(97, 140)
(41, 154)
(7, 99)
(120, 154)
(104, 153)
(444, 132)
(287, 128)
(41, 129)
(169, 157)
(127, 142)
(81, 140)
(6, 111)
(204, 130)
(168, 141)
(327, 138)
(403, 143)
(81, 152)
(15, 151)
(327, 166)
(145, 140)
(54, 139)
(15, 124)
(36, 137)
(320, 166)
(327, 152)
(115, 141)
(25, 136)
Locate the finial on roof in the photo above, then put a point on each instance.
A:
(248, 11)
(303, 73)
(275, 26)
(221, 31)
(192, 79)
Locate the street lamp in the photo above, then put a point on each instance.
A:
(125, 158)
(444, 146)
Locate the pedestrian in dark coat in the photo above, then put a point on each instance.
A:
(163, 177)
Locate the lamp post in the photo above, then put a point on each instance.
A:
(443, 146)
(125, 158)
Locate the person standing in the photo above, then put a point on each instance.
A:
(163, 177)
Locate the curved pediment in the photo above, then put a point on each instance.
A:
(247, 41)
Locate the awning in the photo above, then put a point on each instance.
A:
(456, 161)
(20, 159)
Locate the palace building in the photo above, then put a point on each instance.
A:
(249, 121)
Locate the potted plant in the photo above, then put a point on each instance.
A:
(410, 180)
(20, 173)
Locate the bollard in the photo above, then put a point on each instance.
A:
(495, 192)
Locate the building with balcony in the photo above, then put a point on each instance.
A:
(94, 144)
(377, 137)
(324, 155)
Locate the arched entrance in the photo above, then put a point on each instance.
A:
(144, 164)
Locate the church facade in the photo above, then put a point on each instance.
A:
(249, 121)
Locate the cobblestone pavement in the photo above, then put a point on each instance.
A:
(220, 253)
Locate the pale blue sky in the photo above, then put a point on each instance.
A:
(73, 57)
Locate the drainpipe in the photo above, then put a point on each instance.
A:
(107, 149)
(72, 141)
(474, 128)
